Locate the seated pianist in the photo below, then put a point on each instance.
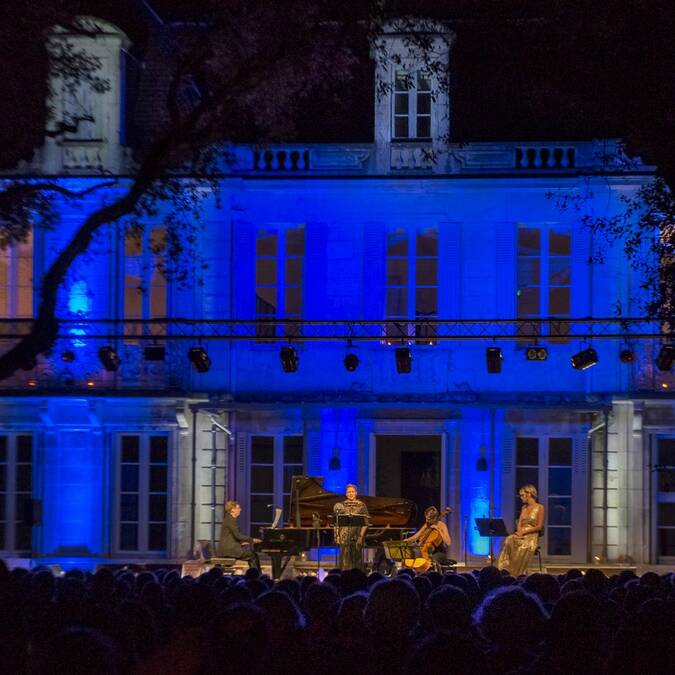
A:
(233, 543)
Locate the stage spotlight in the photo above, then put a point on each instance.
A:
(289, 359)
(494, 358)
(68, 356)
(351, 362)
(627, 356)
(200, 359)
(109, 358)
(403, 360)
(154, 353)
(665, 358)
(585, 359)
(536, 353)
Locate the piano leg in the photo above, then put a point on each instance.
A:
(277, 567)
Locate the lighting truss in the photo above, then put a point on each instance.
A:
(396, 333)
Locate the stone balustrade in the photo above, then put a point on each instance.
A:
(544, 156)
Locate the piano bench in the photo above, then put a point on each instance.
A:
(226, 564)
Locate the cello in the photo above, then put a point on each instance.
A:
(428, 543)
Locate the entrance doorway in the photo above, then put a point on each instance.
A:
(409, 467)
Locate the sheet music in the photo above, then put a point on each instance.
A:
(277, 517)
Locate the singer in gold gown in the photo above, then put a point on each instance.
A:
(519, 547)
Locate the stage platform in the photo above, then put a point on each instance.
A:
(299, 566)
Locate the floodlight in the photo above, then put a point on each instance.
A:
(585, 359)
(494, 358)
(665, 358)
(109, 358)
(403, 360)
(289, 359)
(200, 359)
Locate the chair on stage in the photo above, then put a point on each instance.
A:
(537, 551)
(447, 565)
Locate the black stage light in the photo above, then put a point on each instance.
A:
(351, 362)
(536, 353)
(109, 358)
(585, 359)
(494, 358)
(68, 356)
(665, 358)
(403, 360)
(154, 353)
(627, 356)
(200, 359)
(289, 359)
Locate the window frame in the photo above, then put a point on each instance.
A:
(146, 263)
(12, 258)
(558, 334)
(578, 488)
(12, 512)
(278, 496)
(281, 284)
(658, 499)
(412, 93)
(423, 335)
(144, 492)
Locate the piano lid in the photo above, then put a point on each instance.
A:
(308, 496)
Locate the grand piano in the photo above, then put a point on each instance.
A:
(310, 522)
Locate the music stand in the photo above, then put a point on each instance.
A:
(491, 527)
(349, 520)
(399, 551)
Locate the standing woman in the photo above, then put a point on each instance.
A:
(350, 539)
(519, 547)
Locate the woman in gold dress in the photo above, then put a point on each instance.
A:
(519, 547)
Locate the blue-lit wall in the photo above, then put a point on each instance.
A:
(346, 222)
(344, 273)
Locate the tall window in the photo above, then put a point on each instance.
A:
(16, 492)
(274, 461)
(16, 280)
(279, 276)
(665, 495)
(546, 463)
(412, 283)
(145, 288)
(545, 275)
(412, 105)
(142, 494)
(83, 109)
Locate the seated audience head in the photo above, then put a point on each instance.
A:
(392, 610)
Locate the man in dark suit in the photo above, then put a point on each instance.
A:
(233, 543)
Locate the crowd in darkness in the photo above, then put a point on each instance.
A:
(483, 621)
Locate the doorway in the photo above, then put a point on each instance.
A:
(409, 467)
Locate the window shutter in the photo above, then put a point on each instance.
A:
(449, 272)
(244, 270)
(581, 272)
(314, 279)
(505, 277)
(579, 454)
(313, 440)
(373, 284)
(242, 490)
(508, 448)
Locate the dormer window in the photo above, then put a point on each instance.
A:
(412, 105)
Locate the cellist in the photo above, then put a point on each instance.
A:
(433, 537)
